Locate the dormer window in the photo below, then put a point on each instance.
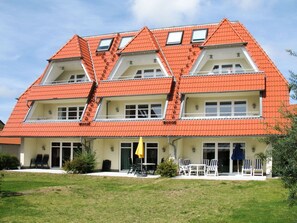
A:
(174, 38)
(147, 73)
(105, 44)
(77, 78)
(199, 35)
(124, 41)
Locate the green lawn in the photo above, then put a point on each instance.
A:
(29, 197)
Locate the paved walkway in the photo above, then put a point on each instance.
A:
(124, 174)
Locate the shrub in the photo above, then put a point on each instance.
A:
(8, 162)
(1, 179)
(84, 162)
(167, 169)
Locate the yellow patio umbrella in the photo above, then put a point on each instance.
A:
(140, 151)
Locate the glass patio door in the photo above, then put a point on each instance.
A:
(224, 157)
(128, 151)
(55, 154)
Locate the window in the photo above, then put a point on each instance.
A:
(104, 44)
(70, 113)
(124, 41)
(64, 151)
(226, 108)
(143, 111)
(174, 38)
(211, 109)
(239, 108)
(77, 78)
(199, 35)
(130, 111)
(227, 69)
(152, 153)
(148, 73)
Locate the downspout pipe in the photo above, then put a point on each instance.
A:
(174, 146)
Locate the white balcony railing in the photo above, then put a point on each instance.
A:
(122, 117)
(231, 71)
(64, 82)
(52, 118)
(215, 115)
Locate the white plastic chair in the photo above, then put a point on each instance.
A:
(247, 169)
(183, 169)
(258, 169)
(212, 169)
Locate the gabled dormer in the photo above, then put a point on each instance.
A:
(141, 58)
(65, 72)
(224, 52)
(71, 64)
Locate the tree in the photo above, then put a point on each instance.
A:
(284, 144)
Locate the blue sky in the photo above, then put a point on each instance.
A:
(33, 30)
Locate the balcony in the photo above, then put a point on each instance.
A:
(132, 108)
(56, 111)
(239, 105)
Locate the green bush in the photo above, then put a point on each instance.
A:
(167, 169)
(84, 162)
(1, 179)
(8, 162)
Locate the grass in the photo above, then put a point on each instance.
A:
(28, 197)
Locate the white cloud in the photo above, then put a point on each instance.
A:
(165, 12)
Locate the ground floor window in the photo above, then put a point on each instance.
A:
(64, 151)
(222, 151)
(128, 150)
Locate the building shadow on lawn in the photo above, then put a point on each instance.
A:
(4, 194)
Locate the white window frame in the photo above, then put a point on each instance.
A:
(202, 33)
(232, 71)
(145, 149)
(174, 38)
(155, 73)
(67, 112)
(61, 152)
(149, 111)
(77, 79)
(232, 108)
(216, 149)
(124, 41)
(105, 44)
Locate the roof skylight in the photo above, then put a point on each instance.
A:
(104, 44)
(124, 41)
(174, 38)
(199, 35)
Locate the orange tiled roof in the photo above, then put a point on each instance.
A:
(75, 48)
(60, 91)
(148, 86)
(222, 83)
(178, 61)
(10, 141)
(144, 41)
(224, 34)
